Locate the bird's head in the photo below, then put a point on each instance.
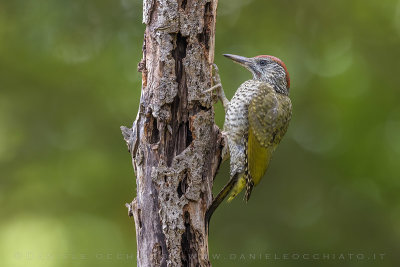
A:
(266, 68)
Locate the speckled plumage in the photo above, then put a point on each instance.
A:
(236, 125)
(258, 106)
(256, 119)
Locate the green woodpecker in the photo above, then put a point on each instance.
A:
(256, 119)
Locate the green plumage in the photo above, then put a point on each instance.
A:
(256, 119)
(269, 114)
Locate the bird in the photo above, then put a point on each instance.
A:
(256, 119)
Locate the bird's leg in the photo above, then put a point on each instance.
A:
(218, 87)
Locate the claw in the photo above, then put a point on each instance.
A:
(213, 88)
(215, 74)
(225, 150)
(218, 85)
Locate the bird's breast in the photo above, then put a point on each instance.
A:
(236, 118)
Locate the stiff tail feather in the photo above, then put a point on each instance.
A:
(221, 196)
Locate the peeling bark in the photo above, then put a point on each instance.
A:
(174, 143)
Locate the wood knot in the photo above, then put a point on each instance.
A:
(130, 209)
(142, 65)
(156, 254)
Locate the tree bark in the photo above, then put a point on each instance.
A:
(174, 143)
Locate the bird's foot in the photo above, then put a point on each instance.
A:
(225, 150)
(215, 74)
(217, 86)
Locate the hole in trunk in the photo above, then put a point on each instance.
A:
(182, 184)
(188, 251)
(155, 133)
(182, 4)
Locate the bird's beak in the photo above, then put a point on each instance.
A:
(244, 61)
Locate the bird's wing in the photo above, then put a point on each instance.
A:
(269, 116)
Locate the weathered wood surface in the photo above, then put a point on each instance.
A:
(174, 143)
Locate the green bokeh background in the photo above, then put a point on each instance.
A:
(68, 80)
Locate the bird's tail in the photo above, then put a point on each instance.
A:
(244, 181)
(237, 188)
(221, 196)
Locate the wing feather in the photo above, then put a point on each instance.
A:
(269, 116)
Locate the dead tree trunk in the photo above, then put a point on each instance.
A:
(174, 143)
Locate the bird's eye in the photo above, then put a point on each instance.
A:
(263, 62)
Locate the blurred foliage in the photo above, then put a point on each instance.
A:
(68, 80)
